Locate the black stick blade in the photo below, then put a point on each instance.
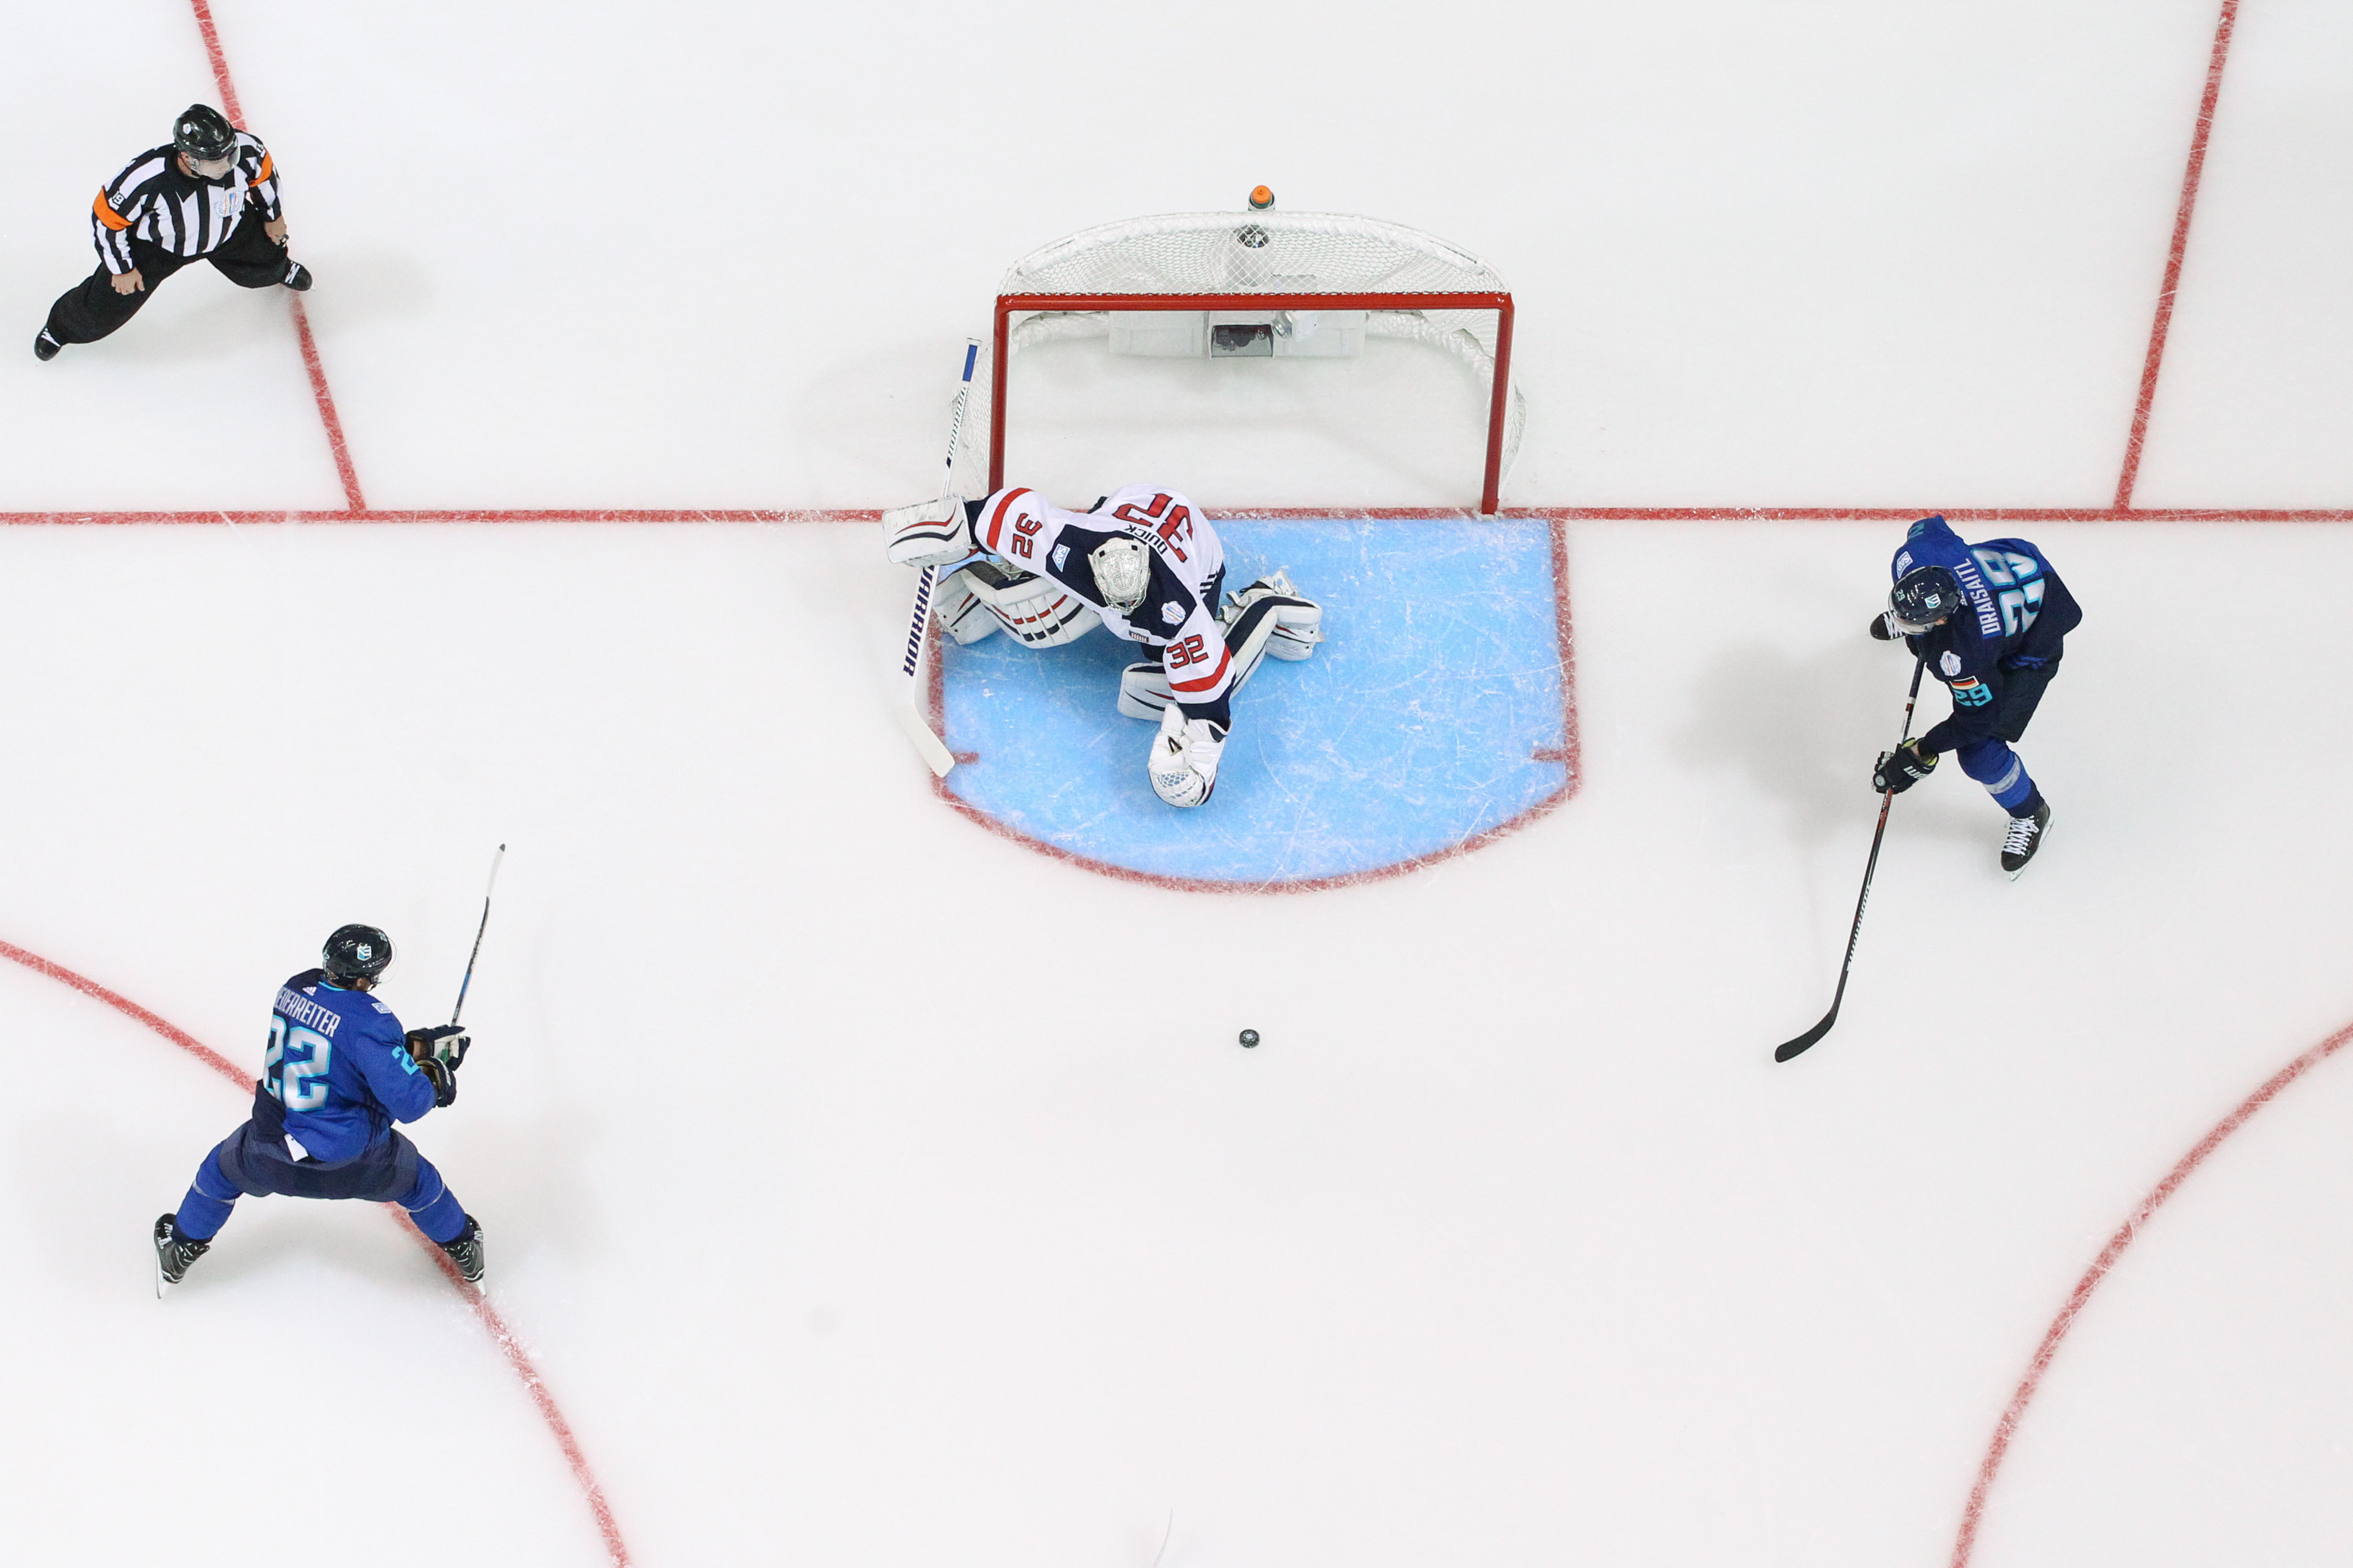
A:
(1788, 1049)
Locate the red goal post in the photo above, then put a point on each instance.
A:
(1280, 279)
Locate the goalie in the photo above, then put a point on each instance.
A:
(1142, 561)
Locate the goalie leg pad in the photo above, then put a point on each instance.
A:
(1271, 617)
(1038, 611)
(960, 610)
(1297, 630)
(1143, 690)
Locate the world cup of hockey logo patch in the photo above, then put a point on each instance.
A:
(1951, 663)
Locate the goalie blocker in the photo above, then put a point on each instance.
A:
(1142, 561)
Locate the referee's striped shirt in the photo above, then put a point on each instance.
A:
(184, 214)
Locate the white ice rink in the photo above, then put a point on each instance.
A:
(868, 1190)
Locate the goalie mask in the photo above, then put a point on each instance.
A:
(1123, 570)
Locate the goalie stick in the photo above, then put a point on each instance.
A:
(910, 693)
(1788, 1049)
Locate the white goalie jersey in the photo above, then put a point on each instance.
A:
(1177, 616)
(1144, 563)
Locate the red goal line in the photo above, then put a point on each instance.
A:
(1525, 514)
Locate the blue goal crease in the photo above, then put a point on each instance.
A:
(1413, 729)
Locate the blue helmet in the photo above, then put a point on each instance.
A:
(1922, 597)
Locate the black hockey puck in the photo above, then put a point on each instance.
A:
(1250, 1038)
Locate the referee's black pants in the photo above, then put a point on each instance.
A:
(92, 309)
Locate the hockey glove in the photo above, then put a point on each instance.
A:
(1183, 761)
(1901, 768)
(930, 534)
(444, 1043)
(444, 1081)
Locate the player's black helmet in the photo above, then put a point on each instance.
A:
(355, 953)
(203, 132)
(1923, 596)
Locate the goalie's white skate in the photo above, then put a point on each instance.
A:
(1297, 623)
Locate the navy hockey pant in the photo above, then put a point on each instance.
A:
(1990, 762)
(252, 1162)
(92, 309)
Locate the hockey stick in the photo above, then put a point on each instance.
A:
(1788, 1049)
(919, 619)
(468, 981)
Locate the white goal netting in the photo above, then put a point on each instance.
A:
(1257, 254)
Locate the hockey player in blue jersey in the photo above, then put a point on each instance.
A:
(1990, 621)
(339, 1072)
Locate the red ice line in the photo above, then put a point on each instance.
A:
(124, 1004)
(318, 372)
(1974, 1514)
(508, 1347)
(326, 401)
(229, 104)
(1556, 514)
(2164, 321)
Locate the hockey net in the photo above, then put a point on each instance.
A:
(1269, 285)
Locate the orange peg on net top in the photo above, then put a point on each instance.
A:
(1261, 198)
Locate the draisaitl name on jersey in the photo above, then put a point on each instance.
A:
(1980, 599)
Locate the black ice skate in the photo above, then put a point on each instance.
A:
(45, 347)
(174, 1253)
(2024, 837)
(465, 1250)
(298, 277)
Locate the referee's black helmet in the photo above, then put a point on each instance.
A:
(204, 132)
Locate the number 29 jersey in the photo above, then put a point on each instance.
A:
(1178, 614)
(2015, 613)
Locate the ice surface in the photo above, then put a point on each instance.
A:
(864, 1185)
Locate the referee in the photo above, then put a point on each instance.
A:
(213, 193)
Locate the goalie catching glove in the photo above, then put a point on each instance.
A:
(932, 533)
(1183, 761)
(440, 1051)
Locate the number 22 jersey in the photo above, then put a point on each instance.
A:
(339, 1063)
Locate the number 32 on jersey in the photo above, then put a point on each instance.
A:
(1173, 529)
